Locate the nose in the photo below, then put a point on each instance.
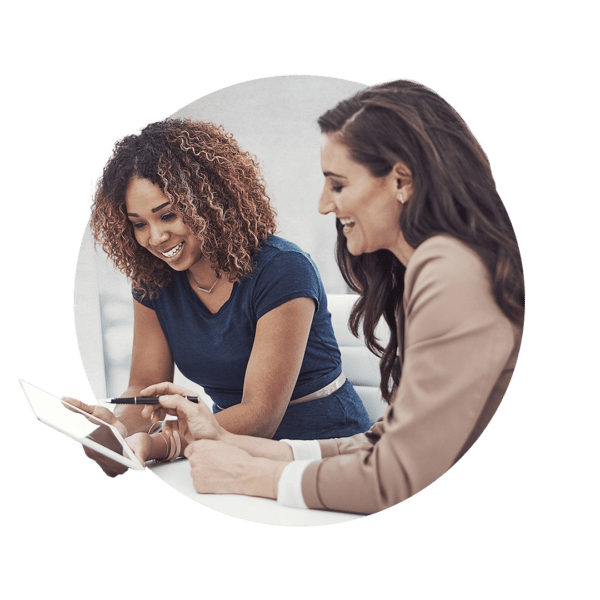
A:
(158, 234)
(326, 203)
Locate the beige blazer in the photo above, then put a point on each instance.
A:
(459, 354)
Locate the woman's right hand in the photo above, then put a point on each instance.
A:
(110, 467)
(194, 421)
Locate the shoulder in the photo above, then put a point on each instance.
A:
(276, 246)
(282, 272)
(445, 258)
(279, 253)
(447, 276)
(448, 248)
(151, 300)
(448, 288)
(141, 294)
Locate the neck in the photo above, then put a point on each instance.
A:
(203, 271)
(402, 250)
(202, 276)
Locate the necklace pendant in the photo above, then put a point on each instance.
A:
(204, 289)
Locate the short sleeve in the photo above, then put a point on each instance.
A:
(288, 275)
(142, 298)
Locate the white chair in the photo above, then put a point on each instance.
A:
(360, 366)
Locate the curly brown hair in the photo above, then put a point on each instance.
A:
(216, 188)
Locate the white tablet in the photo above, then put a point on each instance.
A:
(79, 425)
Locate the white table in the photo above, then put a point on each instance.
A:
(262, 510)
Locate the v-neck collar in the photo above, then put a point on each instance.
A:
(183, 281)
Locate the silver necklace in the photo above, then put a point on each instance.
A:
(203, 289)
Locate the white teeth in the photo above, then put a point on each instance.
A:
(173, 252)
(348, 224)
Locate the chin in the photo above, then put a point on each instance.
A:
(354, 249)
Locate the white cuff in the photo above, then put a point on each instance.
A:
(289, 488)
(305, 449)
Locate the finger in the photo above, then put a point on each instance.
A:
(77, 403)
(147, 411)
(160, 414)
(180, 404)
(165, 387)
(189, 450)
(170, 426)
(153, 412)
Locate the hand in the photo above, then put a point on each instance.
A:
(110, 467)
(99, 412)
(194, 421)
(221, 468)
(141, 445)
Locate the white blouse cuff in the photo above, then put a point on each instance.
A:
(289, 488)
(305, 449)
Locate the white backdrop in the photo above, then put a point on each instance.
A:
(275, 119)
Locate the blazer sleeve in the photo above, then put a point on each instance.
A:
(458, 350)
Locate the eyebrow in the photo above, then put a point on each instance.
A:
(330, 174)
(153, 210)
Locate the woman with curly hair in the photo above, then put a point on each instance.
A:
(424, 239)
(182, 211)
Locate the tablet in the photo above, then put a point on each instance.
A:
(79, 425)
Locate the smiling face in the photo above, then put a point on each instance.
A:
(158, 228)
(368, 207)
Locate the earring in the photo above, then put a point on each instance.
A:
(401, 197)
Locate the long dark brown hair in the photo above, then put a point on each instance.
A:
(453, 193)
(215, 187)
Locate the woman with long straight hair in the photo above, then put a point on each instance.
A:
(426, 243)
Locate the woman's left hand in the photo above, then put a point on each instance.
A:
(222, 468)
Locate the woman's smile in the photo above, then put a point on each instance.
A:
(348, 225)
(173, 252)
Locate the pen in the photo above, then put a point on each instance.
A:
(143, 400)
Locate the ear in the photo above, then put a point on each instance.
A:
(404, 182)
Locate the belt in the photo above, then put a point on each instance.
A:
(334, 386)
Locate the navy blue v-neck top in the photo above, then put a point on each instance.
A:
(213, 349)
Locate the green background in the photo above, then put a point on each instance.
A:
(513, 519)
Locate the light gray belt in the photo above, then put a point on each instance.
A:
(334, 386)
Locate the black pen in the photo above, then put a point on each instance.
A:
(144, 400)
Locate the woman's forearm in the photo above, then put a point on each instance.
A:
(263, 478)
(259, 447)
(248, 419)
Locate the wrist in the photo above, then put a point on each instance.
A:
(265, 477)
(132, 420)
(227, 436)
(159, 446)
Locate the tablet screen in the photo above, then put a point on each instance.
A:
(99, 431)
(80, 426)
